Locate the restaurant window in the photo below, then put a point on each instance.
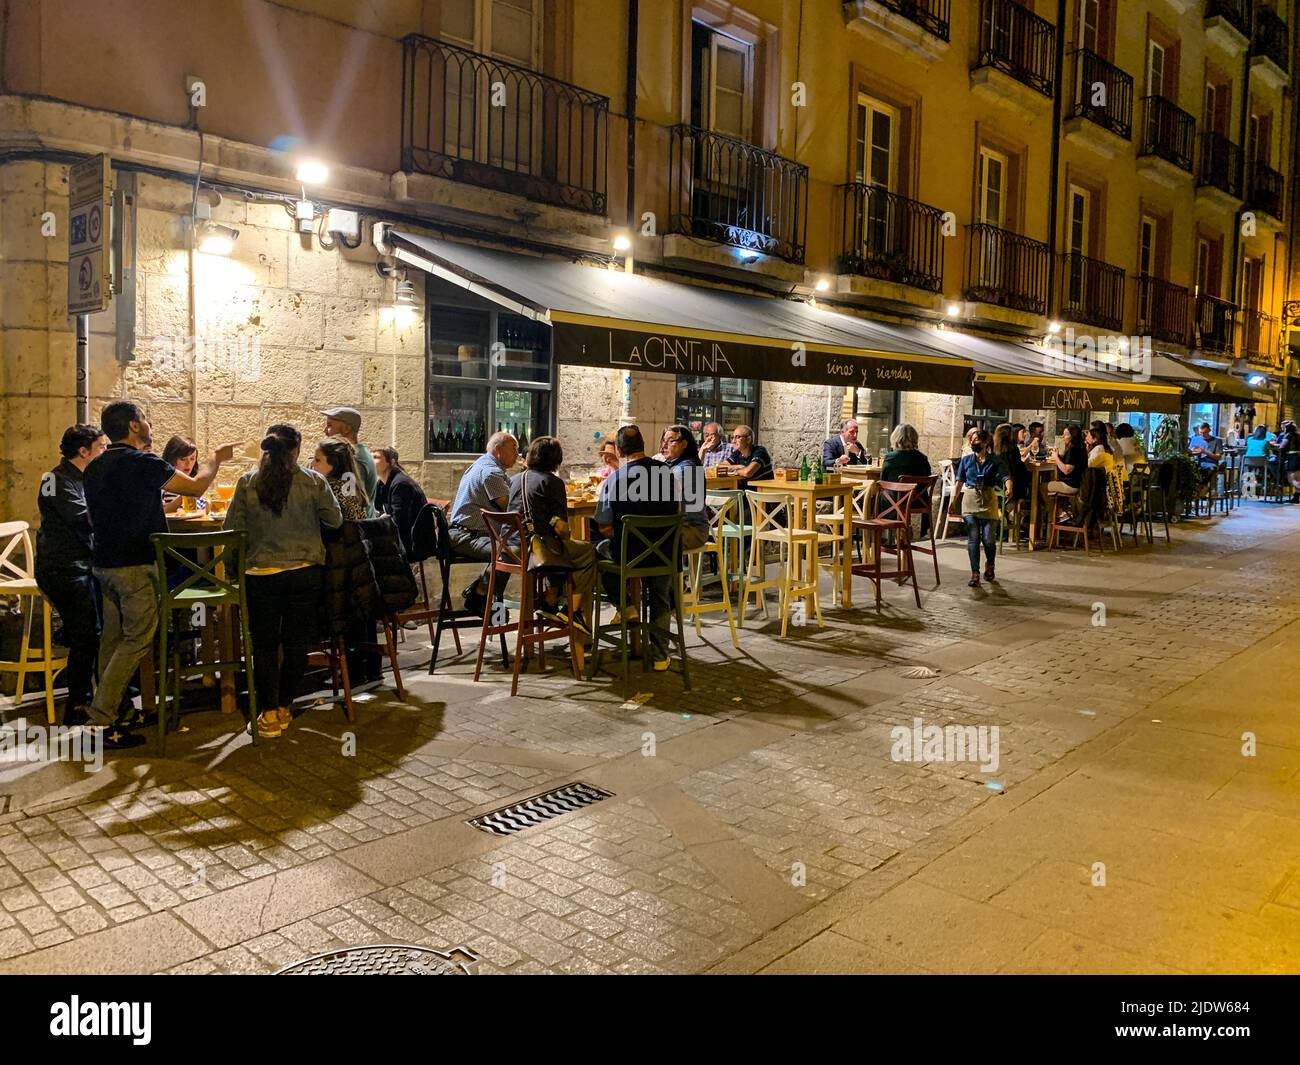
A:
(729, 401)
(876, 412)
(1203, 412)
(986, 418)
(488, 369)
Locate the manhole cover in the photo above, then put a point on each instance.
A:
(530, 812)
(385, 959)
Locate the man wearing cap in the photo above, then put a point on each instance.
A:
(345, 422)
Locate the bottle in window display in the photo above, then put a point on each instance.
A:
(438, 439)
(480, 442)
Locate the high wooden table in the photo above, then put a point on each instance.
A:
(218, 640)
(805, 495)
(1037, 471)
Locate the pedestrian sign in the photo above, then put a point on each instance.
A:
(89, 283)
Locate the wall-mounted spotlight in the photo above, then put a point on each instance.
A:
(312, 172)
(622, 243)
(1053, 327)
(747, 255)
(823, 285)
(1256, 379)
(954, 310)
(216, 239)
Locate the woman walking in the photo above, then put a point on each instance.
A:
(281, 506)
(979, 473)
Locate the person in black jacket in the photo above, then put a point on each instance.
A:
(398, 495)
(64, 544)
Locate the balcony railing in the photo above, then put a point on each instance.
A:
(1016, 41)
(1163, 310)
(1168, 132)
(891, 238)
(1267, 190)
(1220, 164)
(1236, 12)
(930, 15)
(473, 118)
(726, 190)
(1092, 292)
(1007, 269)
(1270, 38)
(1216, 325)
(1259, 338)
(1102, 93)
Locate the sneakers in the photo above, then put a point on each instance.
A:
(118, 739)
(268, 724)
(661, 665)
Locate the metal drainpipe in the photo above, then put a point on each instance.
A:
(1242, 127)
(1055, 176)
(633, 22)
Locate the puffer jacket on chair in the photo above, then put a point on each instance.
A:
(395, 582)
(351, 593)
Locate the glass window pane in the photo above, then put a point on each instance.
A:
(512, 32)
(525, 414)
(458, 343)
(738, 389)
(731, 69)
(734, 415)
(458, 21)
(526, 354)
(457, 418)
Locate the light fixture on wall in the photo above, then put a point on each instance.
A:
(954, 310)
(216, 239)
(623, 246)
(1255, 380)
(1053, 327)
(312, 172)
(822, 285)
(747, 255)
(404, 307)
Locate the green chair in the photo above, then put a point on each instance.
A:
(736, 528)
(206, 585)
(1010, 517)
(651, 546)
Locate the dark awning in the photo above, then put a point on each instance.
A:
(609, 318)
(1221, 387)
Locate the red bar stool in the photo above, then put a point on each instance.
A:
(894, 503)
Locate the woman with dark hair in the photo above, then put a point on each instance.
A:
(1287, 445)
(183, 453)
(397, 495)
(336, 461)
(1128, 448)
(1102, 457)
(978, 474)
(1070, 463)
(1008, 450)
(682, 455)
(281, 506)
(538, 494)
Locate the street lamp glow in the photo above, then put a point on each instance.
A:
(312, 172)
(1053, 327)
(954, 310)
(622, 243)
(217, 239)
(823, 285)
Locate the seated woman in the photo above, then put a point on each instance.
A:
(1128, 447)
(608, 458)
(682, 455)
(336, 461)
(1070, 463)
(281, 506)
(1006, 448)
(904, 457)
(1101, 457)
(1287, 445)
(538, 494)
(183, 453)
(397, 495)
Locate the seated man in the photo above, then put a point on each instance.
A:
(1206, 448)
(844, 448)
(643, 486)
(747, 460)
(484, 486)
(1035, 448)
(713, 449)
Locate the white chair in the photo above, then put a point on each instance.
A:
(773, 514)
(19, 579)
(948, 488)
(723, 513)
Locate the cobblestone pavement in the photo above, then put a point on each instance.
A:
(748, 817)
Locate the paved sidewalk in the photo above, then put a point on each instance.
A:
(759, 822)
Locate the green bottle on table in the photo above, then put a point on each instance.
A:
(804, 471)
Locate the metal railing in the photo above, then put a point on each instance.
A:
(1016, 41)
(1006, 268)
(1164, 309)
(1236, 12)
(477, 119)
(930, 15)
(1259, 337)
(724, 189)
(1168, 132)
(1267, 189)
(1216, 324)
(889, 237)
(1220, 163)
(1270, 40)
(1102, 93)
(1092, 292)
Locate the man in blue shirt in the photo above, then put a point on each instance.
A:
(124, 489)
(344, 423)
(1206, 447)
(747, 460)
(484, 486)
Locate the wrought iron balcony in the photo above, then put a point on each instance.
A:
(1267, 190)
(1163, 310)
(1259, 338)
(724, 189)
(1168, 132)
(1220, 164)
(1270, 39)
(1016, 41)
(1092, 292)
(930, 15)
(1236, 12)
(548, 140)
(1216, 325)
(891, 238)
(1102, 93)
(1007, 269)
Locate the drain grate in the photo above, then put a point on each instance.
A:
(530, 812)
(385, 959)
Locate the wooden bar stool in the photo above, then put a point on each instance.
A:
(449, 616)
(840, 538)
(19, 579)
(894, 501)
(796, 580)
(923, 504)
(509, 558)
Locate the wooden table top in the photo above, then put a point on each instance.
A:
(200, 522)
(804, 487)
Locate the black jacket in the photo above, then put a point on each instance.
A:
(394, 581)
(403, 499)
(350, 592)
(834, 448)
(64, 540)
